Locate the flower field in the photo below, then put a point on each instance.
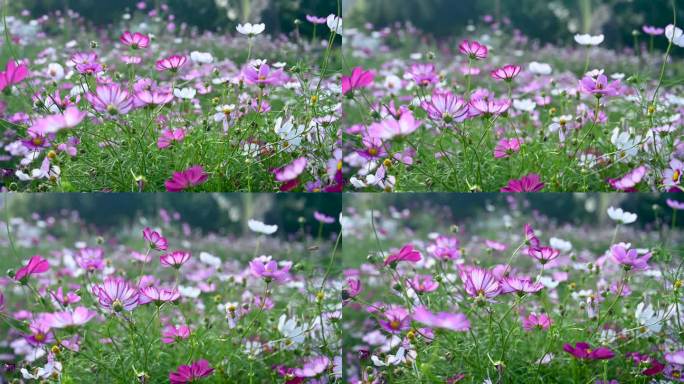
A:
(497, 111)
(149, 104)
(165, 303)
(510, 295)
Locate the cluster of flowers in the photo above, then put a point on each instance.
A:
(436, 305)
(443, 108)
(57, 304)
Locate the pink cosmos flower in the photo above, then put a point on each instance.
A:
(480, 283)
(653, 31)
(13, 74)
(135, 40)
(473, 49)
(70, 118)
(191, 373)
(528, 183)
(506, 147)
(457, 322)
(406, 253)
(395, 320)
(312, 367)
(485, 106)
(263, 76)
(424, 74)
(585, 352)
(40, 331)
(630, 258)
(269, 270)
(116, 295)
(530, 238)
(316, 19)
(534, 321)
(544, 254)
(391, 127)
(171, 334)
(75, 318)
(359, 79)
(654, 366)
(155, 240)
(354, 287)
(423, 283)
(445, 248)
(153, 97)
(112, 99)
(35, 266)
(599, 86)
(171, 63)
(673, 175)
(174, 259)
(64, 299)
(519, 285)
(495, 245)
(506, 73)
(131, 59)
(630, 180)
(158, 295)
(675, 357)
(323, 218)
(291, 171)
(168, 136)
(91, 259)
(674, 204)
(444, 106)
(191, 177)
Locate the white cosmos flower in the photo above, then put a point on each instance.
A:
(400, 357)
(55, 71)
(587, 39)
(294, 333)
(259, 227)
(626, 143)
(201, 57)
(185, 93)
(250, 29)
(675, 35)
(525, 105)
(540, 68)
(650, 320)
(334, 23)
(290, 135)
(560, 244)
(209, 259)
(190, 292)
(624, 217)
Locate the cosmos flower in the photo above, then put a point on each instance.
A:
(519, 285)
(506, 73)
(423, 283)
(36, 265)
(13, 74)
(444, 106)
(191, 373)
(91, 259)
(599, 86)
(251, 30)
(623, 217)
(528, 183)
(406, 253)
(675, 35)
(111, 99)
(189, 178)
(259, 227)
(269, 270)
(675, 204)
(629, 181)
(672, 176)
(155, 240)
(544, 254)
(289, 173)
(171, 63)
(315, 19)
(534, 321)
(395, 320)
(175, 259)
(480, 283)
(135, 40)
(484, 106)
(473, 49)
(629, 258)
(586, 39)
(391, 127)
(172, 334)
(424, 74)
(263, 75)
(323, 218)
(75, 318)
(359, 79)
(653, 31)
(116, 295)
(506, 147)
(445, 248)
(584, 351)
(158, 295)
(312, 367)
(169, 136)
(457, 322)
(70, 118)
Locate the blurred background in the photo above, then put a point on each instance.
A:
(215, 213)
(549, 21)
(215, 15)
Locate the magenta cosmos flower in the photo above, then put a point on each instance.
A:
(175, 259)
(171, 63)
(312, 367)
(171, 334)
(629, 181)
(528, 183)
(630, 258)
(506, 147)
(191, 373)
(289, 174)
(116, 295)
(155, 240)
(536, 322)
(13, 74)
(269, 270)
(395, 320)
(480, 283)
(169, 136)
(263, 75)
(358, 79)
(354, 287)
(75, 318)
(91, 259)
(599, 86)
(423, 283)
(444, 106)
(191, 177)
(506, 73)
(35, 266)
(40, 331)
(473, 49)
(452, 321)
(585, 352)
(111, 99)
(406, 253)
(135, 40)
(445, 248)
(543, 254)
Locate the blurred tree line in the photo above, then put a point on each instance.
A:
(215, 15)
(553, 21)
(219, 213)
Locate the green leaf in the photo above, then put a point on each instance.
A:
(16, 324)
(6, 125)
